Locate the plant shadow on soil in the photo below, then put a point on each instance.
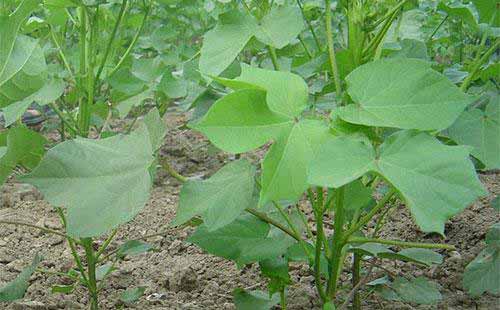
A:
(178, 275)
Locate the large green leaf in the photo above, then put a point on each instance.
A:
(284, 169)
(280, 26)
(437, 181)
(245, 240)
(418, 290)
(402, 93)
(222, 44)
(221, 198)
(102, 183)
(21, 147)
(481, 131)
(17, 288)
(242, 121)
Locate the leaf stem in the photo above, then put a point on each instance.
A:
(119, 19)
(274, 57)
(365, 219)
(317, 255)
(336, 260)
(41, 228)
(106, 244)
(91, 270)
(61, 54)
(134, 41)
(438, 27)
(477, 65)
(404, 244)
(331, 49)
(309, 25)
(168, 168)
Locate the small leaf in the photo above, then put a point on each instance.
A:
(419, 290)
(481, 275)
(17, 288)
(221, 198)
(133, 294)
(133, 247)
(280, 26)
(254, 300)
(63, 289)
(495, 203)
(173, 87)
(103, 271)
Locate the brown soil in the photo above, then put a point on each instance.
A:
(179, 275)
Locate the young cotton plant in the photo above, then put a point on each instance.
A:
(95, 185)
(385, 135)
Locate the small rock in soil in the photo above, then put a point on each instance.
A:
(32, 305)
(182, 279)
(6, 258)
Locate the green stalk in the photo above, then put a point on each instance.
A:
(318, 212)
(134, 41)
(274, 57)
(402, 244)
(84, 109)
(106, 244)
(91, 271)
(61, 54)
(389, 14)
(365, 219)
(477, 65)
(356, 34)
(336, 260)
(168, 168)
(283, 298)
(356, 277)
(112, 38)
(306, 49)
(331, 50)
(309, 25)
(437, 28)
(62, 118)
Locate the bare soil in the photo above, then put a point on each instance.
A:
(179, 275)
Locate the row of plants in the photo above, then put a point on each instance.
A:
(351, 99)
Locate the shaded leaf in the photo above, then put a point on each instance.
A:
(17, 287)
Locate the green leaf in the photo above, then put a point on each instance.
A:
(493, 236)
(49, 93)
(17, 288)
(24, 73)
(481, 275)
(125, 106)
(418, 290)
(23, 147)
(241, 121)
(254, 300)
(102, 183)
(402, 93)
(424, 256)
(132, 294)
(173, 87)
(280, 26)
(245, 240)
(436, 181)
(486, 9)
(287, 93)
(284, 169)
(461, 12)
(63, 289)
(220, 199)
(133, 247)
(222, 44)
(103, 271)
(495, 203)
(480, 130)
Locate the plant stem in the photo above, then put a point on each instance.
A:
(274, 57)
(438, 27)
(317, 255)
(389, 14)
(119, 19)
(134, 41)
(356, 269)
(61, 54)
(331, 50)
(46, 230)
(306, 49)
(106, 244)
(167, 167)
(304, 221)
(283, 298)
(262, 216)
(91, 270)
(336, 260)
(309, 25)
(477, 65)
(62, 118)
(365, 219)
(403, 244)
